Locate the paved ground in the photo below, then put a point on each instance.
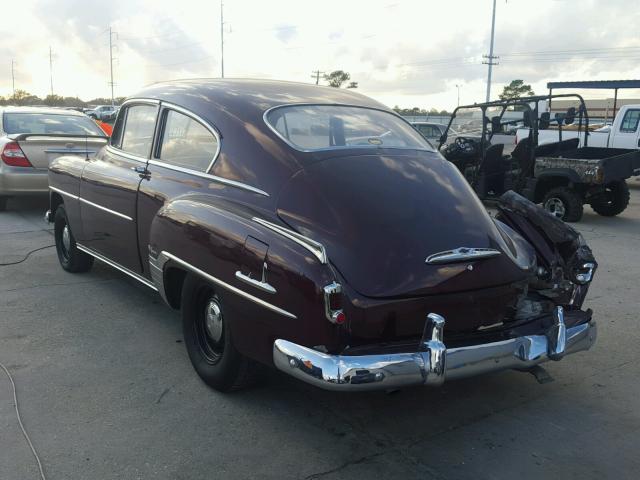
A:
(107, 391)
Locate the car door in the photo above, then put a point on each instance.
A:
(109, 186)
(185, 150)
(626, 135)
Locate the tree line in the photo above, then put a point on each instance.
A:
(24, 98)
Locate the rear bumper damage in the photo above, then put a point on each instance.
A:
(431, 364)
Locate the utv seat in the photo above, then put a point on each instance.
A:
(491, 172)
(557, 147)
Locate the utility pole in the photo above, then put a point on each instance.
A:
(51, 69)
(111, 62)
(221, 39)
(490, 58)
(458, 87)
(13, 77)
(316, 74)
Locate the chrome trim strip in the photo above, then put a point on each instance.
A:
(69, 150)
(262, 285)
(117, 266)
(314, 247)
(150, 101)
(105, 209)
(117, 151)
(62, 192)
(231, 288)
(461, 254)
(208, 176)
(203, 122)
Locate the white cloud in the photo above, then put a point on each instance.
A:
(410, 53)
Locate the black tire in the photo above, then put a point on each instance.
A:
(3, 203)
(211, 348)
(613, 201)
(70, 258)
(564, 203)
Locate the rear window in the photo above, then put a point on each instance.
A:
(322, 127)
(49, 123)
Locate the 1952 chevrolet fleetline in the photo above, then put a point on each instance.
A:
(314, 229)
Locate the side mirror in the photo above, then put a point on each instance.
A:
(570, 116)
(496, 125)
(545, 120)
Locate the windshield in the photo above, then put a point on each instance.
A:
(322, 127)
(49, 123)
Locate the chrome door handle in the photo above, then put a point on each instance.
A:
(139, 169)
(261, 284)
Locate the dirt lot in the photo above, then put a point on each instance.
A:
(106, 390)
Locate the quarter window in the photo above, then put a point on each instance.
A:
(187, 143)
(138, 130)
(630, 121)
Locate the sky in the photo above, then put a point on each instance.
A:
(410, 53)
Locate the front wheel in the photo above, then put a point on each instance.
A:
(563, 203)
(70, 257)
(208, 338)
(614, 199)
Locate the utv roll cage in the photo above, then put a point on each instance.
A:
(532, 118)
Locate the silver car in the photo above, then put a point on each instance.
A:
(30, 137)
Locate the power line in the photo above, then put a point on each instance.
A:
(316, 74)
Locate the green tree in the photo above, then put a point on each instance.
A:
(54, 100)
(516, 89)
(22, 97)
(337, 78)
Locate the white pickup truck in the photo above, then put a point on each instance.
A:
(624, 133)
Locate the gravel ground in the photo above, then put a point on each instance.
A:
(107, 392)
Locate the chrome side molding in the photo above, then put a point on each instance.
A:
(117, 266)
(461, 254)
(316, 248)
(164, 256)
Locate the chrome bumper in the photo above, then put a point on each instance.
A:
(434, 362)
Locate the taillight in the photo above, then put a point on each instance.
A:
(333, 303)
(13, 155)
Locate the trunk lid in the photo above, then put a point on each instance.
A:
(380, 217)
(42, 149)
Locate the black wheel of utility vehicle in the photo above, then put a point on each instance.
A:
(564, 203)
(71, 258)
(3, 203)
(613, 201)
(208, 338)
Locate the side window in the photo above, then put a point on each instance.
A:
(116, 136)
(187, 143)
(630, 121)
(138, 130)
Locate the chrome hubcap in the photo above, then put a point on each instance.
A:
(66, 238)
(555, 206)
(213, 320)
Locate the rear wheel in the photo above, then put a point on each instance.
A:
(613, 200)
(564, 203)
(3, 203)
(71, 259)
(208, 338)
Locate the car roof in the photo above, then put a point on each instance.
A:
(43, 110)
(252, 93)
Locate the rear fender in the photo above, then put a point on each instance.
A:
(217, 240)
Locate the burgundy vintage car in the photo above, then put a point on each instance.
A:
(315, 230)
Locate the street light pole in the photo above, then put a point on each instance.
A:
(458, 87)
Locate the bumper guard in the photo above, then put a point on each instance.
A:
(434, 362)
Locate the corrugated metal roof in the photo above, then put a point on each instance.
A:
(603, 84)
